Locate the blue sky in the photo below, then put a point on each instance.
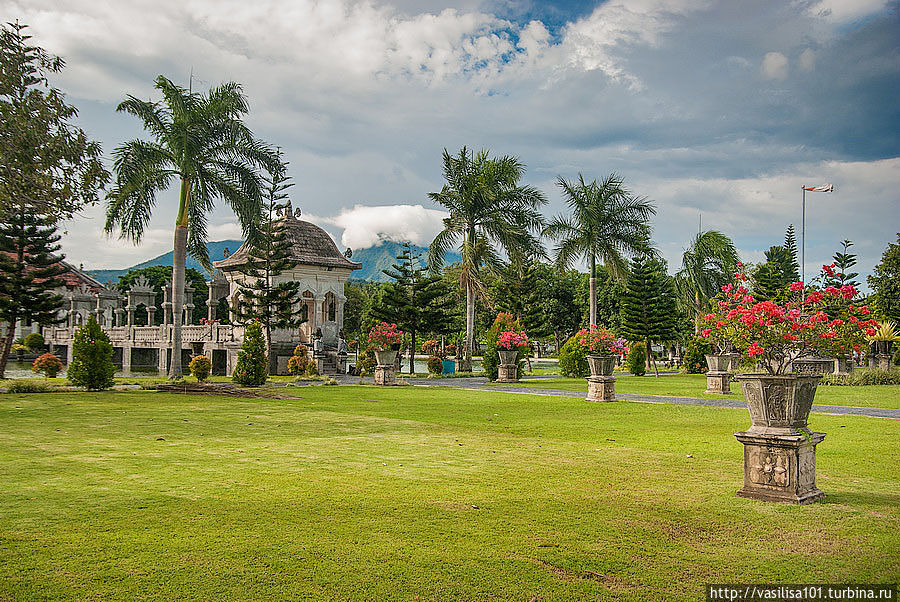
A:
(719, 107)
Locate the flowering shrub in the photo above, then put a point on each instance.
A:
(200, 367)
(384, 336)
(435, 365)
(432, 347)
(810, 322)
(510, 339)
(599, 341)
(48, 364)
(298, 362)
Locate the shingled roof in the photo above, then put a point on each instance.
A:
(310, 245)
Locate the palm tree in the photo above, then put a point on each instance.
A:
(607, 224)
(201, 140)
(707, 265)
(488, 210)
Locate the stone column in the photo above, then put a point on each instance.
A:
(319, 307)
(163, 361)
(126, 359)
(129, 309)
(339, 311)
(211, 303)
(151, 313)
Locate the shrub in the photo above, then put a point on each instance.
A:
(504, 322)
(91, 366)
(636, 363)
(312, 369)
(572, 359)
(862, 377)
(252, 367)
(367, 361)
(298, 362)
(435, 365)
(34, 341)
(200, 367)
(23, 386)
(694, 360)
(48, 364)
(431, 347)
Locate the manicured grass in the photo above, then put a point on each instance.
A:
(694, 385)
(373, 493)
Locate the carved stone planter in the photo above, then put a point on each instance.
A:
(779, 448)
(842, 366)
(508, 371)
(601, 382)
(718, 379)
(385, 368)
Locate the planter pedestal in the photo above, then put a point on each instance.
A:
(508, 373)
(718, 379)
(385, 369)
(718, 383)
(601, 388)
(883, 361)
(779, 449)
(780, 468)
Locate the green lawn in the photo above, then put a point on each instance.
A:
(694, 385)
(373, 493)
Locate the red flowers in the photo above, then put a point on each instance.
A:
(796, 286)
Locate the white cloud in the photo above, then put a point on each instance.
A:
(366, 226)
(774, 66)
(846, 11)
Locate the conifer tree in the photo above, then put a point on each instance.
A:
(843, 263)
(252, 367)
(91, 365)
(260, 297)
(648, 308)
(772, 278)
(416, 301)
(790, 245)
(29, 270)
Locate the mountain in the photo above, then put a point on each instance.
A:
(216, 252)
(382, 257)
(374, 259)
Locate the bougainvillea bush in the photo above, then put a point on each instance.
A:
(599, 341)
(47, 364)
(503, 323)
(384, 336)
(826, 322)
(510, 339)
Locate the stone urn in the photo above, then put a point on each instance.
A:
(718, 379)
(601, 382)
(508, 372)
(385, 373)
(779, 448)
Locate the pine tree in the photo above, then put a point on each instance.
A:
(648, 307)
(29, 270)
(92, 358)
(415, 301)
(771, 279)
(252, 366)
(790, 245)
(260, 297)
(843, 263)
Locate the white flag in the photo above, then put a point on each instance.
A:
(825, 188)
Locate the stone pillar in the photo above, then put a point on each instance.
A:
(69, 352)
(163, 361)
(318, 318)
(884, 361)
(151, 312)
(601, 388)
(126, 359)
(130, 311)
(780, 468)
(339, 311)
(211, 303)
(168, 318)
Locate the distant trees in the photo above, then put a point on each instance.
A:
(416, 301)
(885, 282)
(648, 308)
(490, 212)
(607, 223)
(202, 142)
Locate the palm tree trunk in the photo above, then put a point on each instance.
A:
(593, 292)
(466, 364)
(178, 269)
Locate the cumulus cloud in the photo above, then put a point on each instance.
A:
(365, 226)
(774, 66)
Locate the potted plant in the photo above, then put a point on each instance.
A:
(385, 339)
(883, 340)
(779, 447)
(509, 343)
(601, 348)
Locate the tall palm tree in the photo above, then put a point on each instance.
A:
(707, 265)
(489, 210)
(201, 140)
(607, 224)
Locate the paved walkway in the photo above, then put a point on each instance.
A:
(480, 383)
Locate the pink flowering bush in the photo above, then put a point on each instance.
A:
(510, 339)
(384, 336)
(827, 322)
(599, 341)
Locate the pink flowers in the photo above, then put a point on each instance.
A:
(511, 339)
(599, 341)
(383, 336)
(796, 286)
(755, 350)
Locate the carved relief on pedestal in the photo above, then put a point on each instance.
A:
(776, 402)
(769, 466)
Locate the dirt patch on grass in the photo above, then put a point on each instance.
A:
(568, 576)
(220, 390)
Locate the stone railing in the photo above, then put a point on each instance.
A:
(153, 335)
